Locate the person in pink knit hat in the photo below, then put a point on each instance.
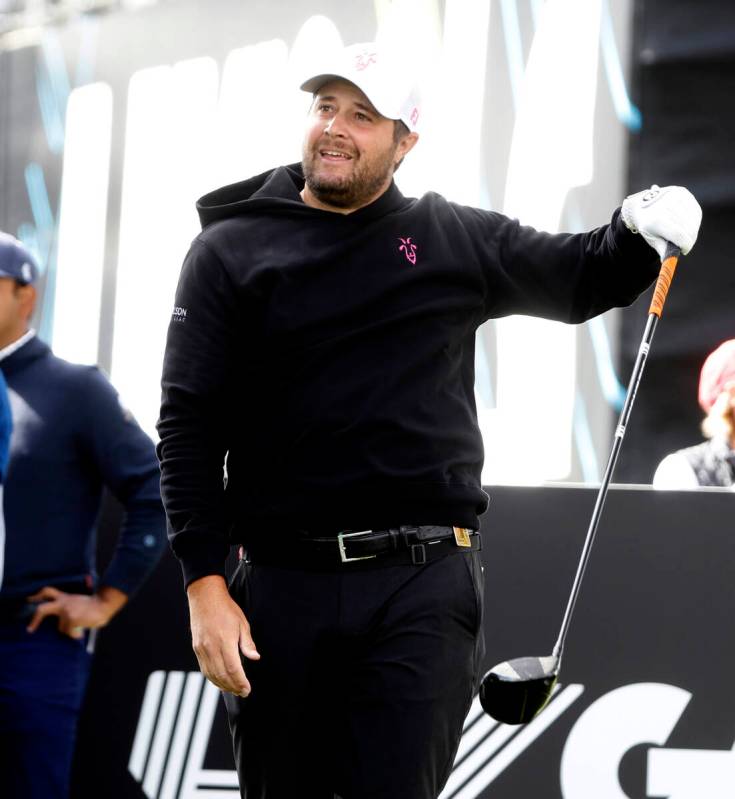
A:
(711, 463)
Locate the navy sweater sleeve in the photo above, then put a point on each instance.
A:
(6, 428)
(126, 460)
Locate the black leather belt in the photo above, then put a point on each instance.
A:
(405, 544)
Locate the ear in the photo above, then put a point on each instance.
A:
(28, 296)
(405, 145)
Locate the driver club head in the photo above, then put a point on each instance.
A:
(515, 691)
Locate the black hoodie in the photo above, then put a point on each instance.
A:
(330, 358)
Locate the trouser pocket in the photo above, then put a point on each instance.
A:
(476, 573)
(239, 585)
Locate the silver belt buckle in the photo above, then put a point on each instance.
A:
(341, 544)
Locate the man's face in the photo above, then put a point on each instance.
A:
(349, 152)
(16, 305)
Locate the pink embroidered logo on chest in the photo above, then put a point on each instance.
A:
(408, 248)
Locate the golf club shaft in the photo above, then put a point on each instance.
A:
(657, 303)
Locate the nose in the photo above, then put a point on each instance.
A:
(334, 127)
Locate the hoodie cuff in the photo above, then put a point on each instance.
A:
(201, 558)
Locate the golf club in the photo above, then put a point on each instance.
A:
(515, 691)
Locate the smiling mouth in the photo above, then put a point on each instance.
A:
(335, 155)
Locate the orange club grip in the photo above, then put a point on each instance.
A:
(665, 276)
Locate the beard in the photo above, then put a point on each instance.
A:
(359, 188)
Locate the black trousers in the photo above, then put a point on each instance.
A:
(365, 678)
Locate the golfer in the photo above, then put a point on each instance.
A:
(318, 412)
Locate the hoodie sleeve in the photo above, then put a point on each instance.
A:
(568, 277)
(198, 367)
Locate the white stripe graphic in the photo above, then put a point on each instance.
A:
(184, 726)
(82, 223)
(483, 752)
(475, 711)
(481, 729)
(187, 706)
(194, 774)
(143, 734)
(162, 737)
(520, 743)
(218, 778)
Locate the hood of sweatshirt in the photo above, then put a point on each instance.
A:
(279, 191)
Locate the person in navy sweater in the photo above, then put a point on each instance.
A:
(71, 439)
(6, 425)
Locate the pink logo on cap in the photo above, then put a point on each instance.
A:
(408, 249)
(414, 116)
(364, 59)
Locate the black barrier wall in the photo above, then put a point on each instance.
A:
(645, 708)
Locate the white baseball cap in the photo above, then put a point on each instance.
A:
(385, 79)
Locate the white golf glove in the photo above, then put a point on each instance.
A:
(664, 214)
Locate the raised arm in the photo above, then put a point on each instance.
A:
(571, 277)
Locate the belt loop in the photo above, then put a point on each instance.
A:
(409, 534)
(418, 554)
